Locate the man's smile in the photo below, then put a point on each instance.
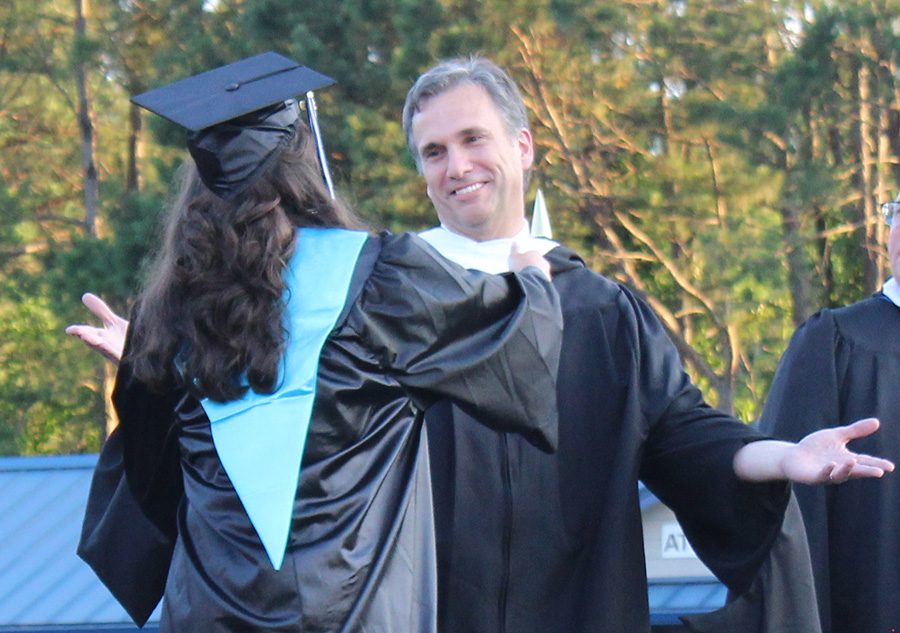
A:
(467, 189)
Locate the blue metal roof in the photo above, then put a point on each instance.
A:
(42, 581)
(672, 597)
(45, 587)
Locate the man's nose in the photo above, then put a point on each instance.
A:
(458, 163)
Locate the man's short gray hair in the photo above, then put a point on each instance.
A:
(474, 70)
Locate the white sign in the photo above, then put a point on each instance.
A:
(675, 543)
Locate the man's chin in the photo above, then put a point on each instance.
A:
(467, 218)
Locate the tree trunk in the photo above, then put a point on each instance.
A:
(111, 420)
(798, 279)
(818, 154)
(665, 117)
(893, 134)
(725, 390)
(866, 152)
(894, 125)
(721, 205)
(882, 173)
(826, 267)
(86, 128)
(133, 180)
(90, 184)
(890, 74)
(883, 180)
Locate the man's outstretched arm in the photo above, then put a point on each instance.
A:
(821, 457)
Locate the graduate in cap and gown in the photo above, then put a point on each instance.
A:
(270, 469)
(843, 364)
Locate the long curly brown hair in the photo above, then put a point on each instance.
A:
(210, 316)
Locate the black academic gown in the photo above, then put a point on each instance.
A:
(840, 366)
(360, 554)
(530, 542)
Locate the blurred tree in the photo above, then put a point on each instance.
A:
(47, 389)
(725, 160)
(625, 99)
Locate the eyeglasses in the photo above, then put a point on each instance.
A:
(890, 209)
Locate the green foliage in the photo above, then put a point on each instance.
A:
(111, 267)
(47, 395)
(673, 140)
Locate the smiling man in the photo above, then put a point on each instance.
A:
(530, 542)
(474, 168)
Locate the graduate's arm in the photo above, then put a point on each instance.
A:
(127, 551)
(821, 457)
(489, 343)
(109, 339)
(130, 528)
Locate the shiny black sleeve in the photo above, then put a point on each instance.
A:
(688, 461)
(129, 528)
(122, 546)
(151, 456)
(490, 343)
(805, 397)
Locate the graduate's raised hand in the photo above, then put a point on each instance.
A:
(521, 257)
(108, 340)
(823, 457)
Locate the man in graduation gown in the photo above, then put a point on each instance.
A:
(840, 365)
(537, 543)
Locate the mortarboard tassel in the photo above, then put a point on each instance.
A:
(320, 145)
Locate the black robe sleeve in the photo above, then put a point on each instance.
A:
(688, 464)
(780, 598)
(489, 343)
(126, 550)
(749, 534)
(129, 527)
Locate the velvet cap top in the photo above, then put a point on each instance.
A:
(238, 116)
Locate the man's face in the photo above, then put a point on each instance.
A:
(473, 167)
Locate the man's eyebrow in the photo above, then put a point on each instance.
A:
(469, 131)
(428, 147)
(475, 129)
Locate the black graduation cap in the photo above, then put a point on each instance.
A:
(239, 116)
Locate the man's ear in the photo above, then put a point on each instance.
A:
(525, 143)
